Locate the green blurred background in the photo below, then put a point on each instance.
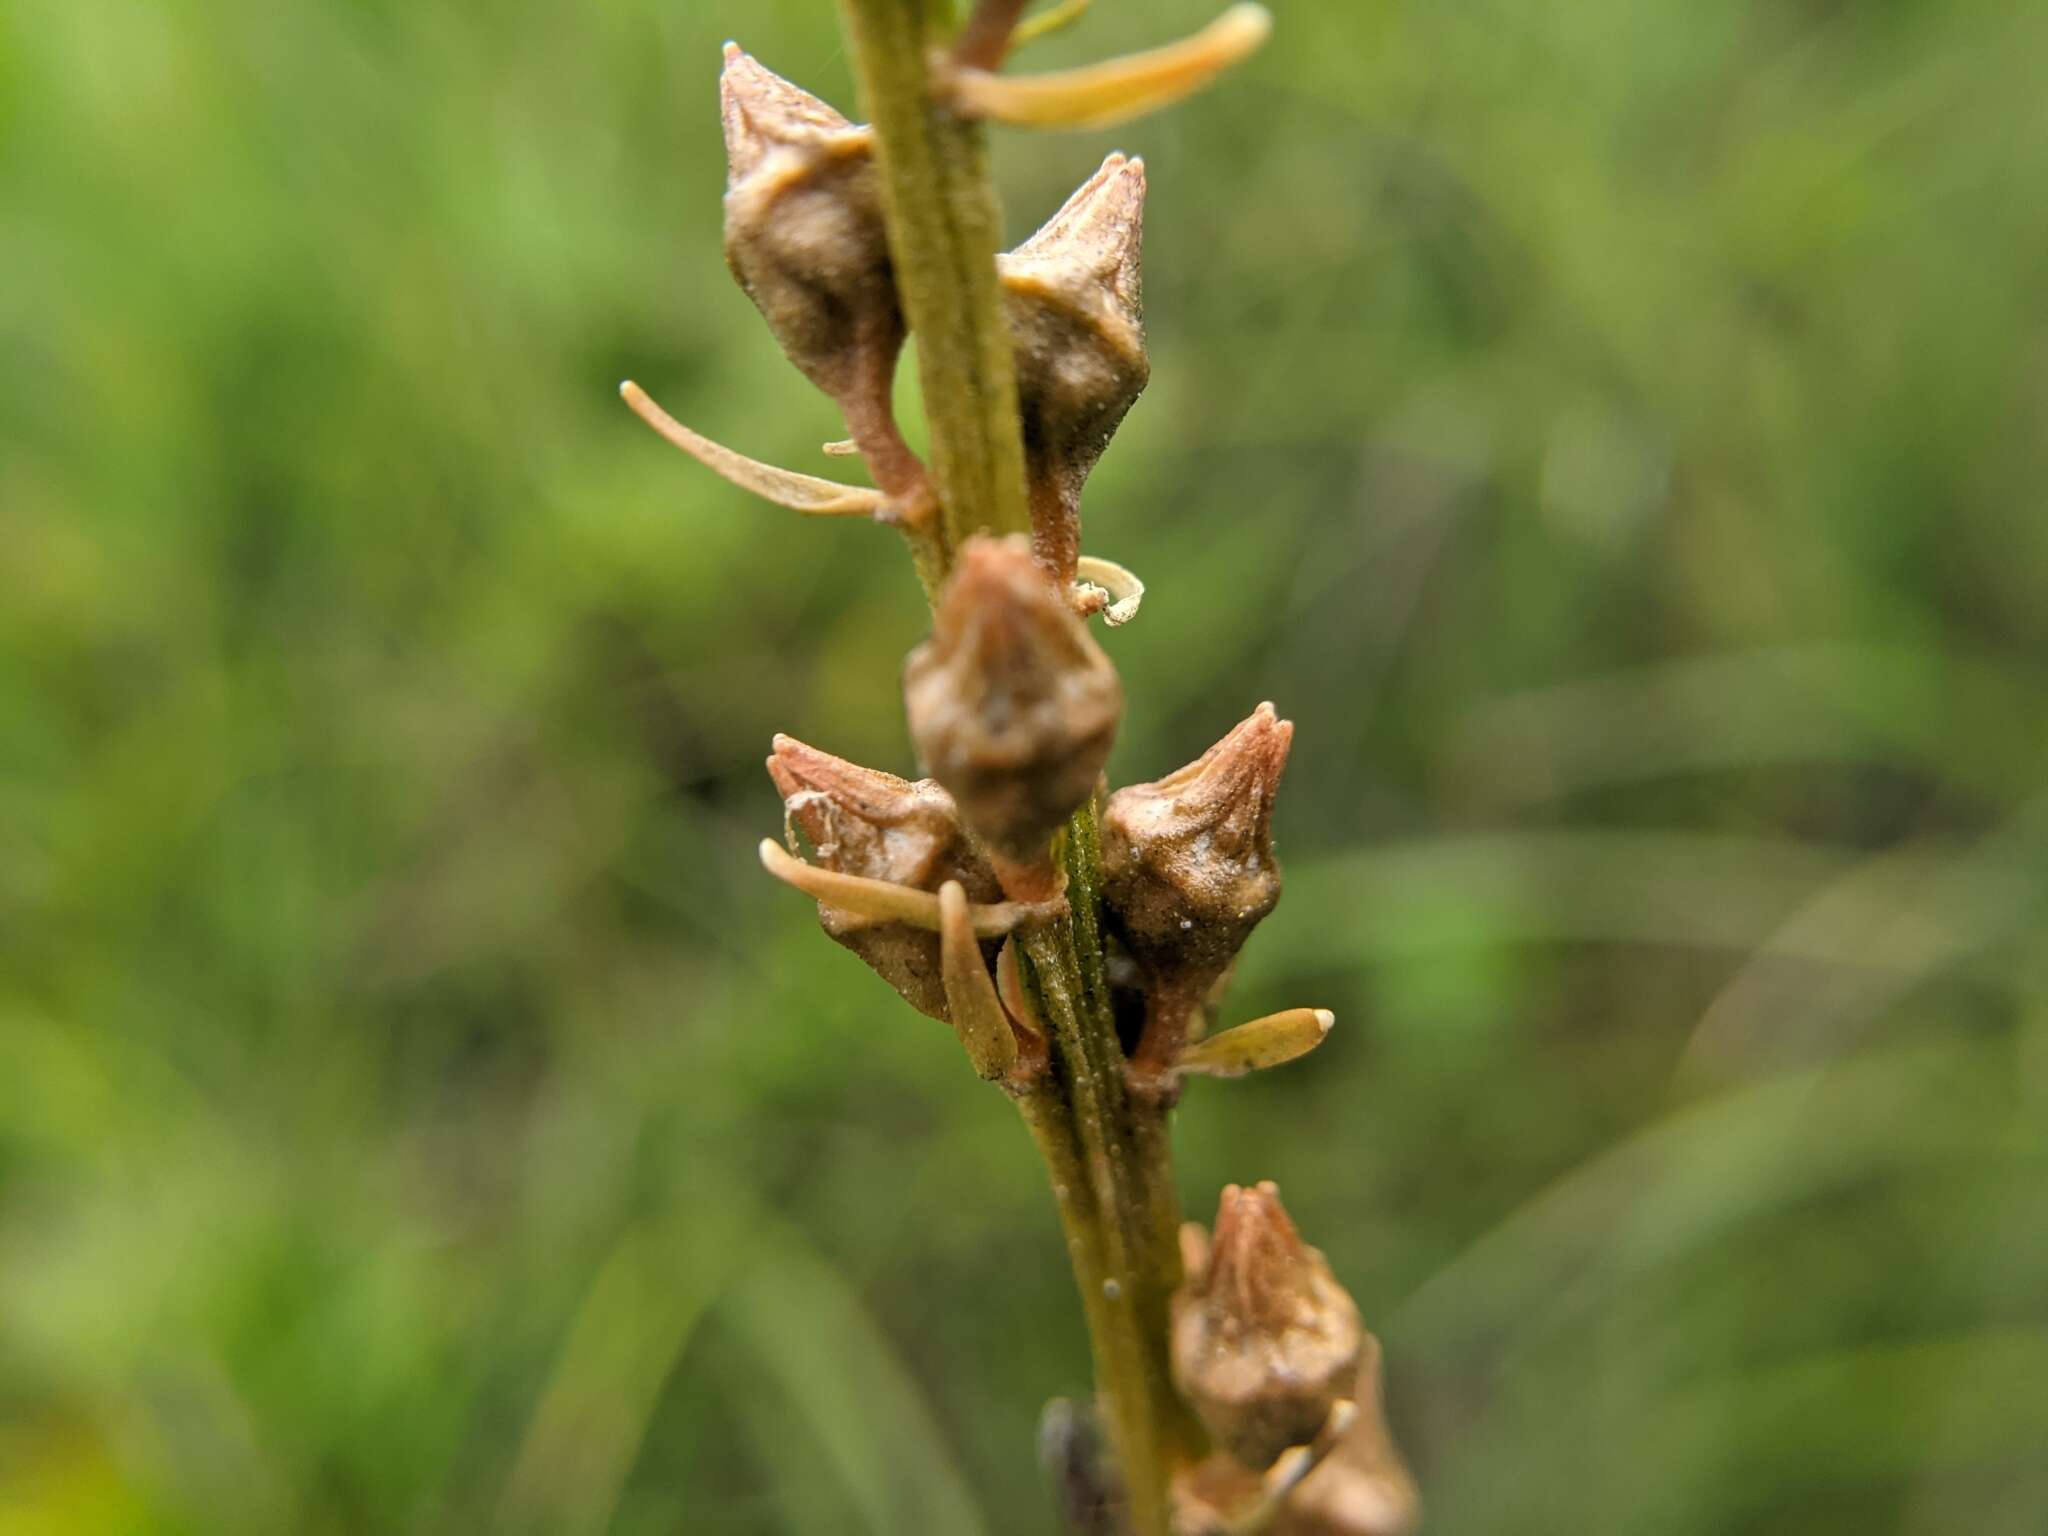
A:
(1614, 430)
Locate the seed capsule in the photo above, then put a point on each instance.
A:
(1264, 1339)
(863, 822)
(1073, 298)
(805, 237)
(1012, 704)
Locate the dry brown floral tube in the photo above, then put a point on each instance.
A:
(1012, 705)
(1265, 1341)
(805, 237)
(1189, 871)
(1073, 299)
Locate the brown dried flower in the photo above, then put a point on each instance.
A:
(1188, 871)
(1073, 298)
(1012, 704)
(805, 237)
(1363, 1488)
(863, 822)
(1265, 1341)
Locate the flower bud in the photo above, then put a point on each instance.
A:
(1187, 862)
(1363, 1488)
(875, 825)
(1012, 704)
(1072, 296)
(804, 232)
(1264, 1339)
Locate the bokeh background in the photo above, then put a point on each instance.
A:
(1614, 430)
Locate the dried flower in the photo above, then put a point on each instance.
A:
(1209, 1494)
(805, 237)
(1265, 1341)
(1073, 297)
(1012, 704)
(1363, 1488)
(863, 822)
(1188, 872)
(1220, 1496)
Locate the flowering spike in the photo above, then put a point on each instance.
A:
(1013, 706)
(784, 487)
(971, 1004)
(804, 236)
(1103, 95)
(1265, 1341)
(1073, 296)
(1188, 872)
(1267, 1042)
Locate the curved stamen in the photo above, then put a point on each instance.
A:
(1116, 90)
(883, 901)
(785, 487)
(1120, 586)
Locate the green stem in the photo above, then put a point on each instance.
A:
(1125, 1151)
(1154, 1203)
(944, 229)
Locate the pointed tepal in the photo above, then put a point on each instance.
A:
(1097, 235)
(1074, 298)
(1188, 860)
(763, 112)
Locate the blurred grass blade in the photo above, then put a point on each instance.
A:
(1966, 719)
(634, 1322)
(1912, 914)
(817, 1345)
(1696, 1175)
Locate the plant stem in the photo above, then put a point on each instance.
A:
(1107, 1155)
(1126, 1153)
(944, 227)
(986, 37)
